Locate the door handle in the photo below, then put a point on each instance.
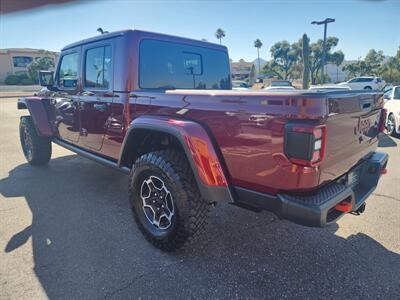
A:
(87, 93)
(108, 95)
(100, 107)
(141, 96)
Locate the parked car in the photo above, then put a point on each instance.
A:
(392, 106)
(163, 111)
(240, 85)
(279, 85)
(391, 93)
(364, 83)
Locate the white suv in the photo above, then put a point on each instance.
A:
(365, 83)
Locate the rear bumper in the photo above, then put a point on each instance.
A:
(318, 209)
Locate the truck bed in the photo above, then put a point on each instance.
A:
(248, 127)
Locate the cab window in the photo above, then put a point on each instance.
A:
(98, 68)
(169, 65)
(68, 72)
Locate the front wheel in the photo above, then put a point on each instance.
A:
(368, 88)
(166, 201)
(391, 125)
(37, 149)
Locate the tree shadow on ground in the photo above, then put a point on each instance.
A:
(85, 245)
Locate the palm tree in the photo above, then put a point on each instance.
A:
(337, 58)
(219, 34)
(258, 44)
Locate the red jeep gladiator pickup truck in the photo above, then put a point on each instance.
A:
(161, 109)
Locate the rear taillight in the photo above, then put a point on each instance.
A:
(305, 144)
(382, 120)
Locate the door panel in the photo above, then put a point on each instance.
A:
(116, 126)
(95, 112)
(66, 99)
(67, 116)
(97, 96)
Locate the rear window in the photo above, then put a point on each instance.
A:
(166, 65)
(98, 67)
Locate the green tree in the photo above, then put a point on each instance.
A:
(374, 64)
(357, 68)
(258, 44)
(390, 71)
(337, 59)
(43, 63)
(284, 59)
(373, 61)
(391, 65)
(316, 51)
(220, 34)
(352, 69)
(398, 55)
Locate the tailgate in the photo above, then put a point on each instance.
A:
(352, 131)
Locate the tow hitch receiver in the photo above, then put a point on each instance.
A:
(360, 210)
(344, 206)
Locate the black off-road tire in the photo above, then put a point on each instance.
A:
(190, 209)
(37, 149)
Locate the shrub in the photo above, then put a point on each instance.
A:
(22, 76)
(27, 81)
(12, 80)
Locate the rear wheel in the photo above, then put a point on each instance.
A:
(368, 88)
(166, 201)
(391, 125)
(37, 149)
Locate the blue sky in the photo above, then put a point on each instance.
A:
(360, 24)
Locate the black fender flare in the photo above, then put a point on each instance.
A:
(199, 150)
(38, 112)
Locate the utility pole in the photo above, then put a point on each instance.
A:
(325, 22)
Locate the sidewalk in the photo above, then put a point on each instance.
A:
(7, 91)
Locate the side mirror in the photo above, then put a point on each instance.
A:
(46, 78)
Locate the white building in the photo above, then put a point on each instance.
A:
(14, 61)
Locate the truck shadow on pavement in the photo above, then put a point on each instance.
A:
(86, 245)
(386, 141)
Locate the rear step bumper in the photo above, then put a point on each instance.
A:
(318, 209)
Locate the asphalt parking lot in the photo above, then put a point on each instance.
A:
(66, 232)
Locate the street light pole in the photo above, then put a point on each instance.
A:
(325, 22)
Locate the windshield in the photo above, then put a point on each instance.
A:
(396, 93)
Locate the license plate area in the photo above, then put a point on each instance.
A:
(353, 177)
